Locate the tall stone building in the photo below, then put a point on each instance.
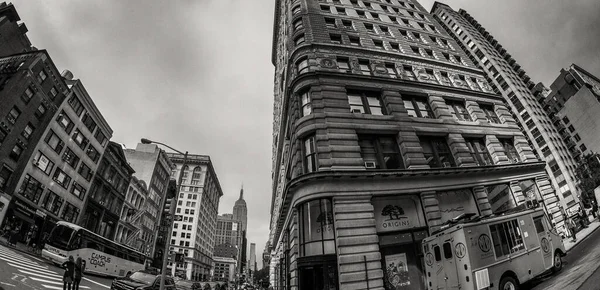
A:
(384, 129)
(143, 234)
(240, 214)
(252, 258)
(153, 167)
(12, 32)
(573, 103)
(519, 93)
(198, 205)
(227, 231)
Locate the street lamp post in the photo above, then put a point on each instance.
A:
(170, 222)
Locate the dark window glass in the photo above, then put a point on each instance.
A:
(79, 139)
(89, 122)
(61, 178)
(70, 158)
(31, 189)
(447, 250)
(380, 152)
(316, 228)
(310, 154)
(490, 113)
(479, 151)
(510, 150)
(76, 105)
(16, 152)
(458, 110)
(52, 202)
(5, 175)
(436, 152)
(13, 115)
(365, 102)
(65, 122)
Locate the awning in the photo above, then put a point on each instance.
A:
(24, 217)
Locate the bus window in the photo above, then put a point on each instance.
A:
(60, 237)
(447, 250)
(438, 255)
(539, 226)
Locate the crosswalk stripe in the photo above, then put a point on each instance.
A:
(16, 258)
(30, 268)
(55, 277)
(10, 253)
(96, 283)
(60, 288)
(4, 250)
(46, 281)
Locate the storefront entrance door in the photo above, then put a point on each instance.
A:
(318, 275)
(402, 261)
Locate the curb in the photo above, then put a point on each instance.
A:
(5, 244)
(583, 239)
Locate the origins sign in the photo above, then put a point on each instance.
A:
(397, 213)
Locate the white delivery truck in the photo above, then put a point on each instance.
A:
(499, 252)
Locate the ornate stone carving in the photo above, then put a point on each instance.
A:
(328, 63)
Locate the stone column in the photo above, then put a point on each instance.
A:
(475, 112)
(517, 192)
(496, 150)
(439, 107)
(460, 151)
(356, 238)
(525, 151)
(481, 197)
(432, 209)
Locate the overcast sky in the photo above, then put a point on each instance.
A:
(197, 75)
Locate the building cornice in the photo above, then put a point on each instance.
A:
(79, 89)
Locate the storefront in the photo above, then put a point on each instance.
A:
(26, 217)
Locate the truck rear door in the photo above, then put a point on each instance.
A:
(441, 265)
(543, 233)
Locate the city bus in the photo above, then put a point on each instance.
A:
(499, 252)
(102, 256)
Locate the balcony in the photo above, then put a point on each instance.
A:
(570, 143)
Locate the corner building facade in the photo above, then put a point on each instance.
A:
(383, 131)
(523, 99)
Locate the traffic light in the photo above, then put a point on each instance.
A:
(169, 206)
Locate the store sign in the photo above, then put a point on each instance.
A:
(456, 202)
(399, 213)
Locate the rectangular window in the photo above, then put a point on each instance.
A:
(354, 40)
(27, 95)
(302, 65)
(329, 23)
(16, 152)
(341, 11)
(27, 131)
(310, 154)
(378, 43)
(479, 152)
(391, 70)
(54, 142)
(316, 228)
(436, 152)
(395, 46)
(365, 102)
(305, 102)
(70, 213)
(61, 178)
(41, 110)
(89, 122)
(347, 24)
(53, 92)
(343, 64)
(361, 14)
(458, 110)
(380, 152)
(417, 106)
(490, 113)
(13, 115)
(5, 175)
(85, 171)
(76, 105)
(65, 122)
(52, 202)
(31, 189)
(364, 66)
(101, 138)
(370, 28)
(335, 38)
(510, 150)
(42, 162)
(506, 238)
(79, 139)
(41, 76)
(93, 153)
(70, 158)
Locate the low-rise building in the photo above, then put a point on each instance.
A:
(224, 269)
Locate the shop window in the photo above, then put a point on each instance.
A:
(31, 189)
(500, 197)
(380, 152)
(506, 238)
(436, 152)
(316, 228)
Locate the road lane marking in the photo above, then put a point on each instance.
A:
(46, 281)
(11, 254)
(7, 284)
(16, 260)
(59, 278)
(107, 287)
(30, 268)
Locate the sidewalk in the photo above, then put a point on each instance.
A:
(581, 235)
(20, 247)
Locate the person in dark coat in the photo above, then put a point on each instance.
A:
(69, 267)
(14, 236)
(78, 274)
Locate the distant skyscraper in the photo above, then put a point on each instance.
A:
(252, 260)
(507, 76)
(227, 230)
(240, 213)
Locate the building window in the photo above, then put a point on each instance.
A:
(391, 70)
(329, 23)
(61, 178)
(343, 64)
(76, 105)
(54, 142)
(65, 122)
(316, 228)
(347, 24)
(310, 154)
(380, 152)
(566, 120)
(93, 154)
(13, 115)
(302, 65)
(458, 110)
(70, 158)
(436, 152)
(41, 76)
(89, 122)
(5, 175)
(577, 138)
(506, 238)
(27, 131)
(370, 28)
(41, 110)
(70, 213)
(31, 189)
(101, 138)
(53, 92)
(335, 38)
(363, 64)
(417, 106)
(571, 128)
(394, 46)
(299, 39)
(16, 152)
(27, 95)
(490, 114)
(510, 150)
(582, 147)
(85, 171)
(340, 10)
(42, 162)
(378, 43)
(365, 102)
(479, 152)
(52, 202)
(354, 40)
(305, 102)
(79, 139)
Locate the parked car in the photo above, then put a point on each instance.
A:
(182, 284)
(141, 280)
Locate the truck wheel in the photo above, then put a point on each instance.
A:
(557, 262)
(508, 283)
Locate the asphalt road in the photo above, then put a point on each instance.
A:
(22, 271)
(581, 270)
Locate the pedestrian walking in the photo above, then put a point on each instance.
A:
(582, 218)
(571, 226)
(79, 268)
(595, 209)
(14, 236)
(69, 267)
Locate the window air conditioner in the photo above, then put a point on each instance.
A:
(516, 160)
(370, 164)
(356, 111)
(446, 164)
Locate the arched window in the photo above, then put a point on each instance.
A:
(196, 175)
(185, 172)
